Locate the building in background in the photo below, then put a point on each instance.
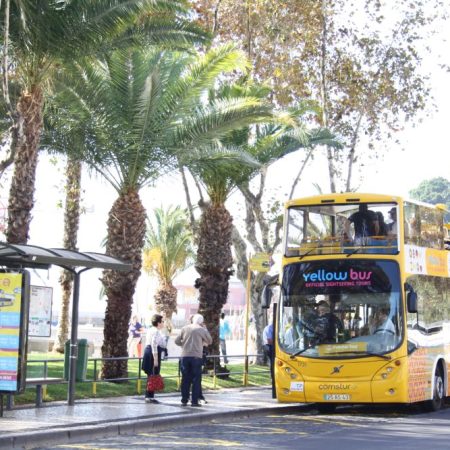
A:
(187, 299)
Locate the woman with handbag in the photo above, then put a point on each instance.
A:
(151, 362)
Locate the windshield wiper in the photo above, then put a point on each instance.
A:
(307, 253)
(302, 350)
(353, 252)
(386, 357)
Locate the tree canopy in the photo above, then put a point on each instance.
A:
(434, 190)
(360, 60)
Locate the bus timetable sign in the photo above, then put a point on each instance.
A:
(260, 262)
(13, 330)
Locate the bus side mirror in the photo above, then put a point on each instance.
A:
(411, 301)
(266, 295)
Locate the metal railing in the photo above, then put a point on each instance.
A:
(42, 372)
(214, 373)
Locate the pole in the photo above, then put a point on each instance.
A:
(74, 336)
(247, 314)
(74, 339)
(272, 358)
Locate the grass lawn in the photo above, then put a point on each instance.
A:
(258, 376)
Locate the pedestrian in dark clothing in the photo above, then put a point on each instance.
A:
(204, 361)
(134, 343)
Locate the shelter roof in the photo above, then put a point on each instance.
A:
(21, 255)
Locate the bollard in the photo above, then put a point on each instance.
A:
(9, 402)
(138, 385)
(245, 378)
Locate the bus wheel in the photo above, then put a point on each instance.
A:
(326, 408)
(438, 393)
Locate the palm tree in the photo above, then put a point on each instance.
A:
(266, 143)
(167, 252)
(66, 131)
(146, 107)
(69, 127)
(70, 239)
(271, 143)
(41, 37)
(214, 261)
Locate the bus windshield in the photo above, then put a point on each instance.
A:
(341, 228)
(340, 308)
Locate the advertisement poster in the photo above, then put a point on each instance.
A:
(39, 324)
(427, 261)
(10, 314)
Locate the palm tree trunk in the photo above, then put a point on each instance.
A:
(259, 314)
(21, 194)
(166, 302)
(214, 264)
(71, 226)
(126, 232)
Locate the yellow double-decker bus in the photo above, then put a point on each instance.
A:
(363, 310)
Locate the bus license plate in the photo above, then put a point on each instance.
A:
(337, 397)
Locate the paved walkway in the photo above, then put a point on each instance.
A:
(58, 423)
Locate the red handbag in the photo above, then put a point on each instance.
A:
(155, 383)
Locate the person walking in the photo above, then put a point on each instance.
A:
(224, 333)
(191, 339)
(135, 331)
(151, 362)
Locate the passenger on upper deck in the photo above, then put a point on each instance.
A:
(383, 228)
(392, 227)
(365, 223)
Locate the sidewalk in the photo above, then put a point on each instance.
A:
(58, 423)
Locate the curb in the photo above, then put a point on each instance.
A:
(64, 436)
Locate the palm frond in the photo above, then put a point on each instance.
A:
(168, 248)
(217, 119)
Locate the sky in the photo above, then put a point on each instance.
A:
(424, 154)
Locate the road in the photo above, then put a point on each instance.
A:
(352, 428)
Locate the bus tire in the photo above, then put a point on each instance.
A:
(326, 408)
(437, 402)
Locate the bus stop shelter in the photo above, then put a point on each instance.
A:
(21, 256)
